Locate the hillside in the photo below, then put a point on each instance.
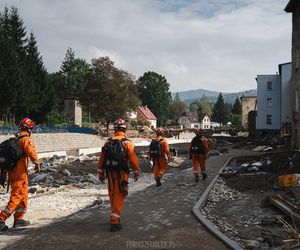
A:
(192, 95)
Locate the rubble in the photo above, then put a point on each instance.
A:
(244, 205)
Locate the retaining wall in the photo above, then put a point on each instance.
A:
(61, 144)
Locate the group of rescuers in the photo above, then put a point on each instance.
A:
(111, 167)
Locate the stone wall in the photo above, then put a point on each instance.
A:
(63, 141)
(76, 144)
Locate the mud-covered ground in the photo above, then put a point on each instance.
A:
(239, 202)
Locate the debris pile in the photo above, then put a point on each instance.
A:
(256, 201)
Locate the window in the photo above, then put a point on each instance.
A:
(269, 102)
(269, 119)
(269, 85)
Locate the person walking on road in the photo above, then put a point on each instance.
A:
(198, 153)
(18, 177)
(159, 153)
(116, 156)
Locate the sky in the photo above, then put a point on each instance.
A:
(219, 45)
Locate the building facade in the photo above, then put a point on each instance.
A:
(73, 111)
(293, 7)
(145, 113)
(285, 72)
(268, 102)
(274, 110)
(189, 120)
(205, 121)
(248, 104)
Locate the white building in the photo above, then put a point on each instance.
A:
(191, 120)
(273, 99)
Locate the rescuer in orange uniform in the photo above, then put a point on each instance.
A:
(159, 151)
(19, 178)
(198, 152)
(117, 153)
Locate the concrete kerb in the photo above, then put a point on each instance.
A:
(210, 226)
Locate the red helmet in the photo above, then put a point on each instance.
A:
(160, 131)
(120, 124)
(27, 123)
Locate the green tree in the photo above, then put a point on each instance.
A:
(13, 36)
(237, 107)
(194, 106)
(109, 92)
(22, 73)
(218, 112)
(154, 92)
(73, 76)
(38, 91)
(203, 105)
(177, 107)
(8, 62)
(206, 105)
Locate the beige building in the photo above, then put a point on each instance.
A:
(293, 7)
(73, 111)
(248, 104)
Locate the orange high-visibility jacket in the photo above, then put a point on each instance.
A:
(204, 142)
(129, 147)
(164, 147)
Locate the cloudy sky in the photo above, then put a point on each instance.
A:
(217, 45)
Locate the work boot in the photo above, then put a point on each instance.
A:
(196, 178)
(21, 223)
(157, 179)
(204, 176)
(115, 227)
(3, 227)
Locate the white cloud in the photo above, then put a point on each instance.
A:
(214, 44)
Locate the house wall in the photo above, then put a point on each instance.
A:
(186, 123)
(286, 75)
(153, 123)
(248, 104)
(263, 109)
(205, 123)
(296, 78)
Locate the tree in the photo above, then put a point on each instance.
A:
(22, 73)
(237, 107)
(154, 92)
(177, 107)
(8, 62)
(236, 121)
(206, 105)
(73, 76)
(109, 92)
(203, 105)
(38, 92)
(218, 113)
(12, 61)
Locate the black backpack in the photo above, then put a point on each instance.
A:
(10, 153)
(115, 155)
(155, 148)
(197, 146)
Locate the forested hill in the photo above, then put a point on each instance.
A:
(192, 95)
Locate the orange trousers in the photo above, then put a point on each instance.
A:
(18, 201)
(160, 167)
(117, 192)
(198, 160)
